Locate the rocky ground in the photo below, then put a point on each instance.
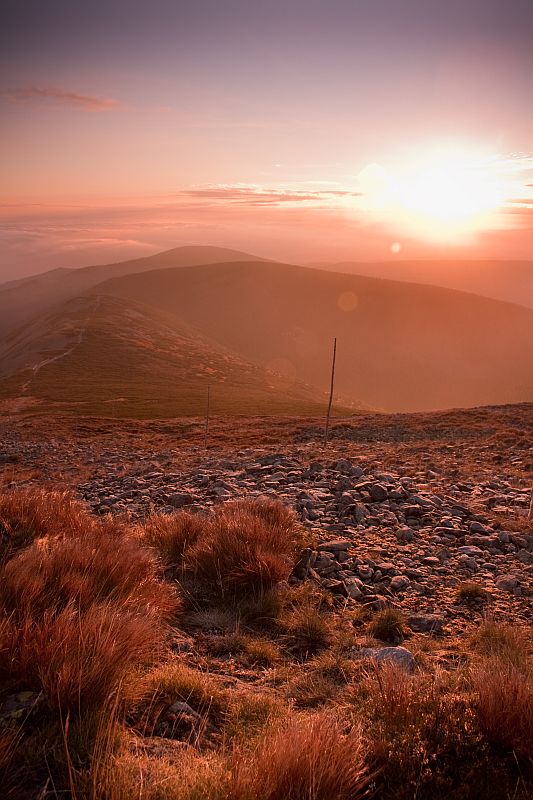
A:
(403, 510)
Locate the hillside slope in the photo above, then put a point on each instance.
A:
(510, 281)
(401, 346)
(107, 356)
(23, 299)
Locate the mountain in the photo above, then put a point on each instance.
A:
(401, 346)
(105, 356)
(23, 299)
(511, 281)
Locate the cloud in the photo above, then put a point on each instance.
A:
(258, 196)
(56, 96)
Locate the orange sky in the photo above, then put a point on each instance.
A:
(304, 131)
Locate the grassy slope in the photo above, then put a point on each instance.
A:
(134, 361)
(22, 300)
(400, 346)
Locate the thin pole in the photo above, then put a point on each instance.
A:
(207, 415)
(530, 515)
(330, 391)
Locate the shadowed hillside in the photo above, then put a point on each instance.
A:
(23, 299)
(103, 355)
(511, 281)
(401, 346)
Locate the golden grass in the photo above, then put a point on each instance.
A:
(246, 549)
(77, 659)
(310, 758)
(173, 534)
(83, 620)
(388, 625)
(89, 567)
(504, 704)
(29, 514)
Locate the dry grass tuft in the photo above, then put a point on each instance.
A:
(77, 660)
(389, 626)
(249, 713)
(244, 550)
(306, 630)
(311, 758)
(173, 534)
(504, 704)
(471, 592)
(91, 567)
(423, 735)
(29, 514)
(171, 682)
(507, 642)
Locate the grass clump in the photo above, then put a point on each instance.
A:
(173, 534)
(78, 661)
(246, 549)
(507, 642)
(389, 626)
(471, 592)
(309, 758)
(249, 713)
(423, 735)
(29, 514)
(306, 630)
(90, 567)
(504, 705)
(174, 681)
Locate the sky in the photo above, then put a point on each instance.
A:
(303, 130)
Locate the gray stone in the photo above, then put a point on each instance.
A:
(425, 623)
(335, 546)
(181, 499)
(378, 492)
(399, 582)
(507, 583)
(399, 656)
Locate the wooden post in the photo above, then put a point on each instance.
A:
(207, 415)
(530, 515)
(330, 391)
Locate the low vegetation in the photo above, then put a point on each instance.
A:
(172, 660)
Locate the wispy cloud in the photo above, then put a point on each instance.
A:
(244, 194)
(60, 97)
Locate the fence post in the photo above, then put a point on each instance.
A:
(330, 391)
(207, 416)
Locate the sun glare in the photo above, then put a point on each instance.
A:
(446, 196)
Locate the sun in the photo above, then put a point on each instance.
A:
(445, 195)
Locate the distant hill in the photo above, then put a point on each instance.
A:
(401, 346)
(106, 356)
(511, 281)
(25, 298)
(149, 338)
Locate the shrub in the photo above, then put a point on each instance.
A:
(92, 567)
(311, 758)
(172, 534)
